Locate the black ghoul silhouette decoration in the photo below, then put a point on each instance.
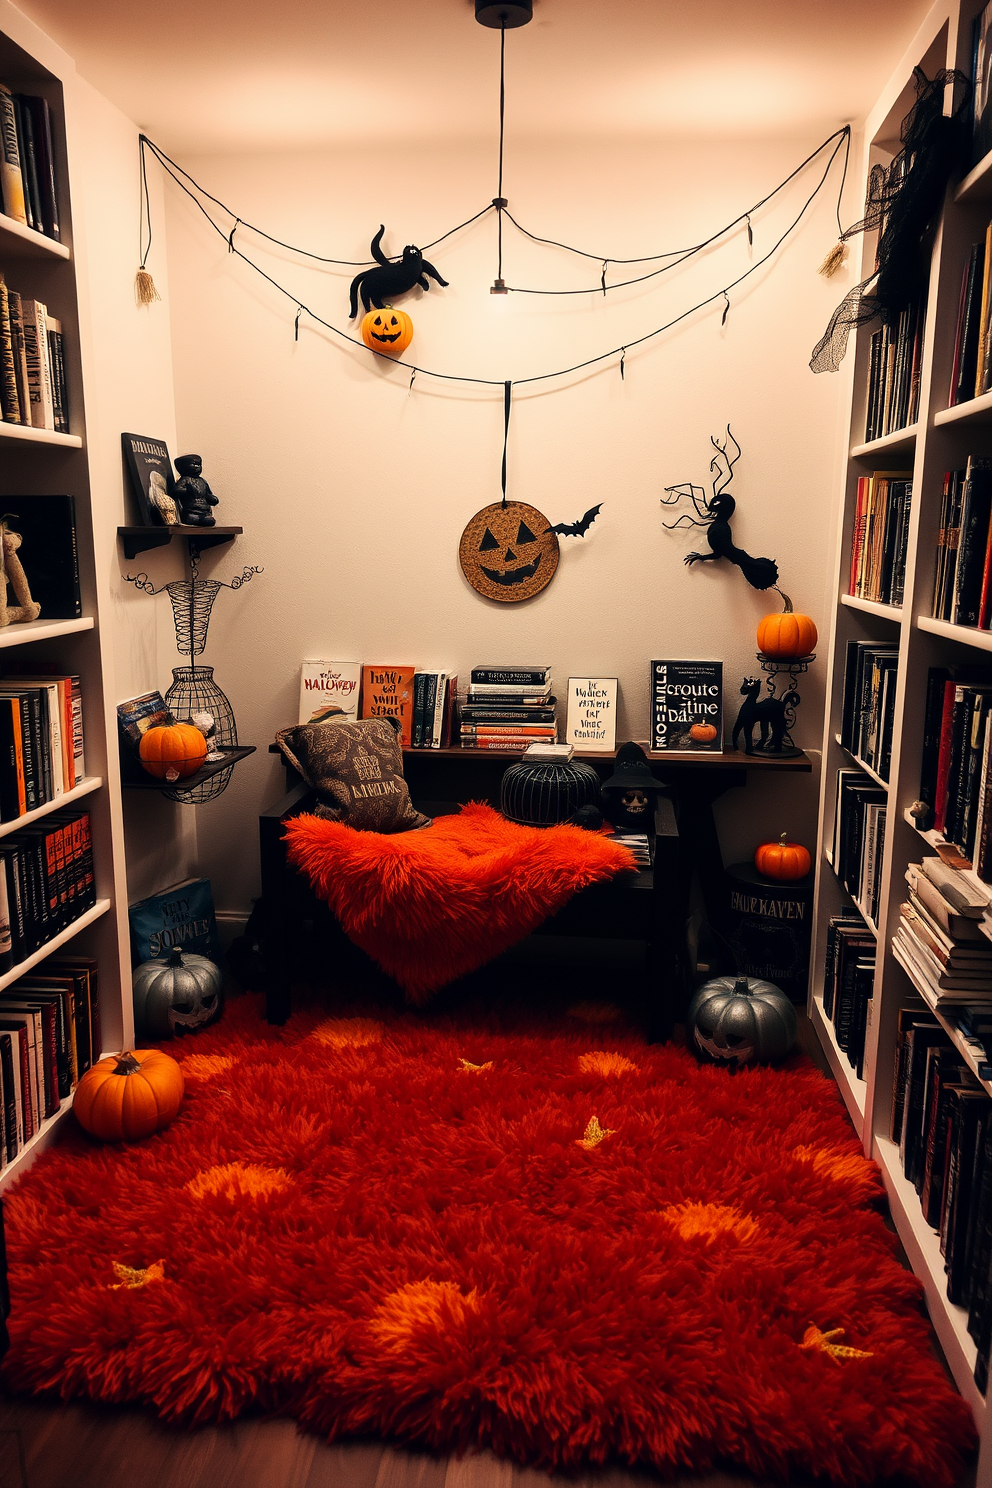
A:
(715, 515)
(392, 277)
(509, 551)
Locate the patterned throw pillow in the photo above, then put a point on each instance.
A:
(356, 770)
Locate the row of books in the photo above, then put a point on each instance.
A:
(46, 882)
(962, 576)
(942, 1121)
(33, 388)
(939, 941)
(881, 536)
(27, 162)
(508, 708)
(971, 368)
(868, 717)
(41, 741)
(955, 774)
(49, 1036)
(848, 982)
(894, 362)
(859, 838)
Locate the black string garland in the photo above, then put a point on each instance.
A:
(840, 140)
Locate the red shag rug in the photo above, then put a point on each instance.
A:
(537, 1235)
(431, 905)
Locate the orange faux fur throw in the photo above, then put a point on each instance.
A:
(431, 905)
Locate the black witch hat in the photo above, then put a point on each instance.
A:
(632, 771)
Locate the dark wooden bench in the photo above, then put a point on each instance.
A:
(651, 907)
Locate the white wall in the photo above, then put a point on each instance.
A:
(129, 388)
(353, 490)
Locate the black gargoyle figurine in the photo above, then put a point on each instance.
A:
(715, 515)
(378, 286)
(193, 494)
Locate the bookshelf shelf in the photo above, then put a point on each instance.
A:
(18, 241)
(872, 774)
(967, 635)
(20, 432)
(42, 630)
(37, 1144)
(851, 1088)
(872, 607)
(922, 1247)
(64, 936)
(957, 1038)
(937, 841)
(977, 184)
(85, 787)
(900, 441)
(135, 540)
(975, 410)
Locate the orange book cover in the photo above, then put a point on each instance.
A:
(388, 691)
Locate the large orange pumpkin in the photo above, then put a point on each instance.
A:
(129, 1096)
(787, 636)
(782, 860)
(172, 750)
(389, 331)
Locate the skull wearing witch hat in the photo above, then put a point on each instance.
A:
(629, 794)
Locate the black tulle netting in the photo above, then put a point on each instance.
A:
(903, 203)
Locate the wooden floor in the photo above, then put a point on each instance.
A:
(54, 1445)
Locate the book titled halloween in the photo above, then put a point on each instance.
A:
(329, 689)
(687, 705)
(387, 691)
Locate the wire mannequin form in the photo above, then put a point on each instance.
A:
(839, 141)
(193, 688)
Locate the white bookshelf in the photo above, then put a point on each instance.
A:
(941, 439)
(40, 461)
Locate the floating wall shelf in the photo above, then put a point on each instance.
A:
(137, 540)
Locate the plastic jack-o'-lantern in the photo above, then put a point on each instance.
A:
(509, 551)
(389, 331)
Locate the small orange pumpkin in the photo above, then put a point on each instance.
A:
(703, 733)
(129, 1096)
(787, 636)
(782, 860)
(171, 751)
(389, 331)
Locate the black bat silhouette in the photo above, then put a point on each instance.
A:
(580, 528)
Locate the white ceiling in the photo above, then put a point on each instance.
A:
(229, 75)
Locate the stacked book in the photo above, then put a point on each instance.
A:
(46, 882)
(971, 363)
(870, 679)
(27, 162)
(962, 578)
(955, 778)
(41, 741)
(894, 361)
(942, 1121)
(49, 1036)
(32, 364)
(939, 942)
(880, 536)
(848, 983)
(859, 837)
(434, 695)
(508, 708)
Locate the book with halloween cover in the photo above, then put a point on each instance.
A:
(387, 692)
(687, 695)
(329, 689)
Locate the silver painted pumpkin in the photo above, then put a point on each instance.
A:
(181, 991)
(741, 1020)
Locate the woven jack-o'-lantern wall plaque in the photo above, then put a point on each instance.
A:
(509, 551)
